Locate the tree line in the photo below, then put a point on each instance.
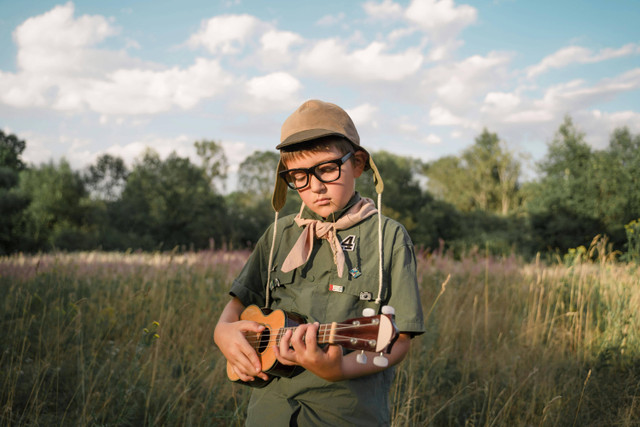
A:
(476, 198)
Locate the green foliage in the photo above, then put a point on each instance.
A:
(57, 214)
(474, 200)
(11, 148)
(169, 203)
(583, 192)
(12, 203)
(257, 173)
(485, 177)
(214, 161)
(632, 253)
(107, 177)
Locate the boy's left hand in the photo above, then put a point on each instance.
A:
(301, 348)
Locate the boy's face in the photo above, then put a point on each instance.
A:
(324, 198)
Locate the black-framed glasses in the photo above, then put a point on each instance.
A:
(328, 171)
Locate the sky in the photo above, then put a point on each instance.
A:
(420, 78)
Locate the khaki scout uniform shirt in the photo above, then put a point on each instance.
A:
(315, 291)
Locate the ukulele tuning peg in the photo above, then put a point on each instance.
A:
(361, 358)
(381, 361)
(368, 312)
(387, 309)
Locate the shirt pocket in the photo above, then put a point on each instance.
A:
(282, 290)
(350, 296)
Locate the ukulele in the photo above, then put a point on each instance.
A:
(375, 333)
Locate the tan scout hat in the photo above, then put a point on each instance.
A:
(312, 120)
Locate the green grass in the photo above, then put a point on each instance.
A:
(126, 339)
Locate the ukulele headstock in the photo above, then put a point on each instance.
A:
(371, 332)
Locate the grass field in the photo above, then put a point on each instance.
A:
(125, 339)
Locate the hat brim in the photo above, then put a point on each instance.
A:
(309, 135)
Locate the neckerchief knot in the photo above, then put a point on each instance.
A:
(315, 229)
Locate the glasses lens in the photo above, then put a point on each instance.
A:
(297, 179)
(327, 172)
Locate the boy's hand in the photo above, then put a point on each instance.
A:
(301, 348)
(230, 337)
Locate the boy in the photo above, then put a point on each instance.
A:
(333, 259)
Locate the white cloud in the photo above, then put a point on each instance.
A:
(275, 91)
(146, 92)
(500, 102)
(331, 20)
(432, 139)
(440, 116)
(60, 69)
(385, 11)
(364, 115)
(330, 58)
(441, 19)
(278, 42)
(226, 34)
(529, 117)
(54, 41)
(576, 95)
(458, 86)
(580, 55)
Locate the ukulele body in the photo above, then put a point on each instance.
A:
(263, 343)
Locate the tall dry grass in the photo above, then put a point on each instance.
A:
(125, 339)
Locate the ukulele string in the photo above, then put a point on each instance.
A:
(322, 333)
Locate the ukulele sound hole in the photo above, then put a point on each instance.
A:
(263, 342)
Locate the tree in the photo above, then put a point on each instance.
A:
(485, 177)
(12, 203)
(57, 215)
(107, 177)
(168, 203)
(563, 206)
(11, 149)
(257, 173)
(214, 161)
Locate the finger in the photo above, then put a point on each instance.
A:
(283, 350)
(250, 326)
(281, 358)
(248, 355)
(298, 338)
(240, 373)
(311, 337)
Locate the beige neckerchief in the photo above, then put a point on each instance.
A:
(315, 229)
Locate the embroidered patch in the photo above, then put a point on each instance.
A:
(348, 243)
(336, 288)
(355, 273)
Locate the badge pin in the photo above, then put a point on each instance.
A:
(366, 296)
(355, 273)
(275, 283)
(336, 288)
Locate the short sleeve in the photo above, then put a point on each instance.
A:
(405, 295)
(249, 286)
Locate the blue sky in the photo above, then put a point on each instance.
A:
(420, 78)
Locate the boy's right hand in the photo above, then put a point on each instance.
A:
(230, 337)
